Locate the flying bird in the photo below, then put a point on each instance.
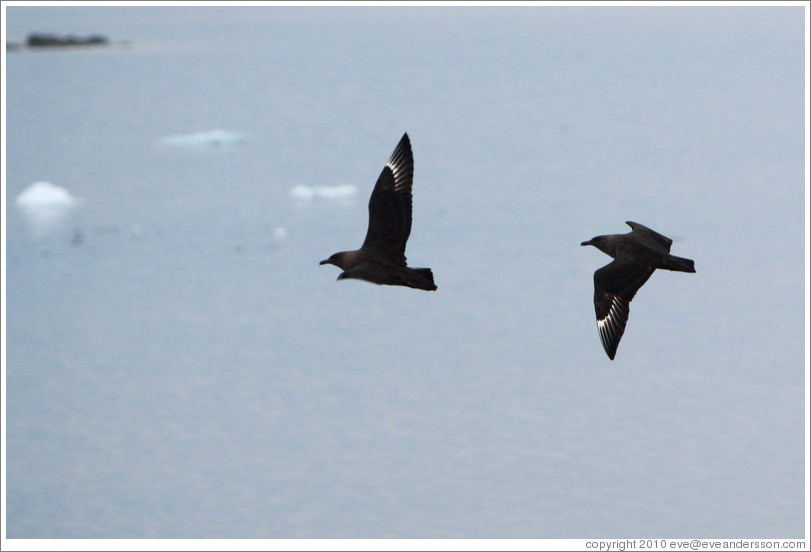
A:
(381, 259)
(636, 255)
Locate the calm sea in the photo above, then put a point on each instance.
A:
(178, 365)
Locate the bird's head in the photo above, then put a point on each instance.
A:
(337, 259)
(603, 243)
(332, 260)
(592, 241)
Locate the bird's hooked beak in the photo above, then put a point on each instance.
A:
(586, 243)
(325, 261)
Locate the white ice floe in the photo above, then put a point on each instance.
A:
(310, 193)
(44, 195)
(211, 138)
(45, 205)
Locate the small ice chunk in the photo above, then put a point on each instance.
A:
(44, 195)
(45, 206)
(310, 193)
(211, 138)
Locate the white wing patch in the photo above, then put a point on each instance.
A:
(613, 311)
(400, 165)
(397, 171)
(612, 326)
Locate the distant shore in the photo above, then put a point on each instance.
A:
(36, 41)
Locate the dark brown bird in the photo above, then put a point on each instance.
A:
(636, 255)
(381, 259)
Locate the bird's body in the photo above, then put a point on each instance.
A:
(381, 259)
(637, 255)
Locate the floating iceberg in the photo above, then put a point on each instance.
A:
(310, 193)
(45, 205)
(44, 195)
(211, 138)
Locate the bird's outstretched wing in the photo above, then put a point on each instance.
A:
(614, 286)
(646, 232)
(390, 206)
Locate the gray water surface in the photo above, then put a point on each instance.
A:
(178, 365)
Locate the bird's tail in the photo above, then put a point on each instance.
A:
(420, 278)
(680, 264)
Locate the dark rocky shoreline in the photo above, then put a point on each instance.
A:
(48, 40)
